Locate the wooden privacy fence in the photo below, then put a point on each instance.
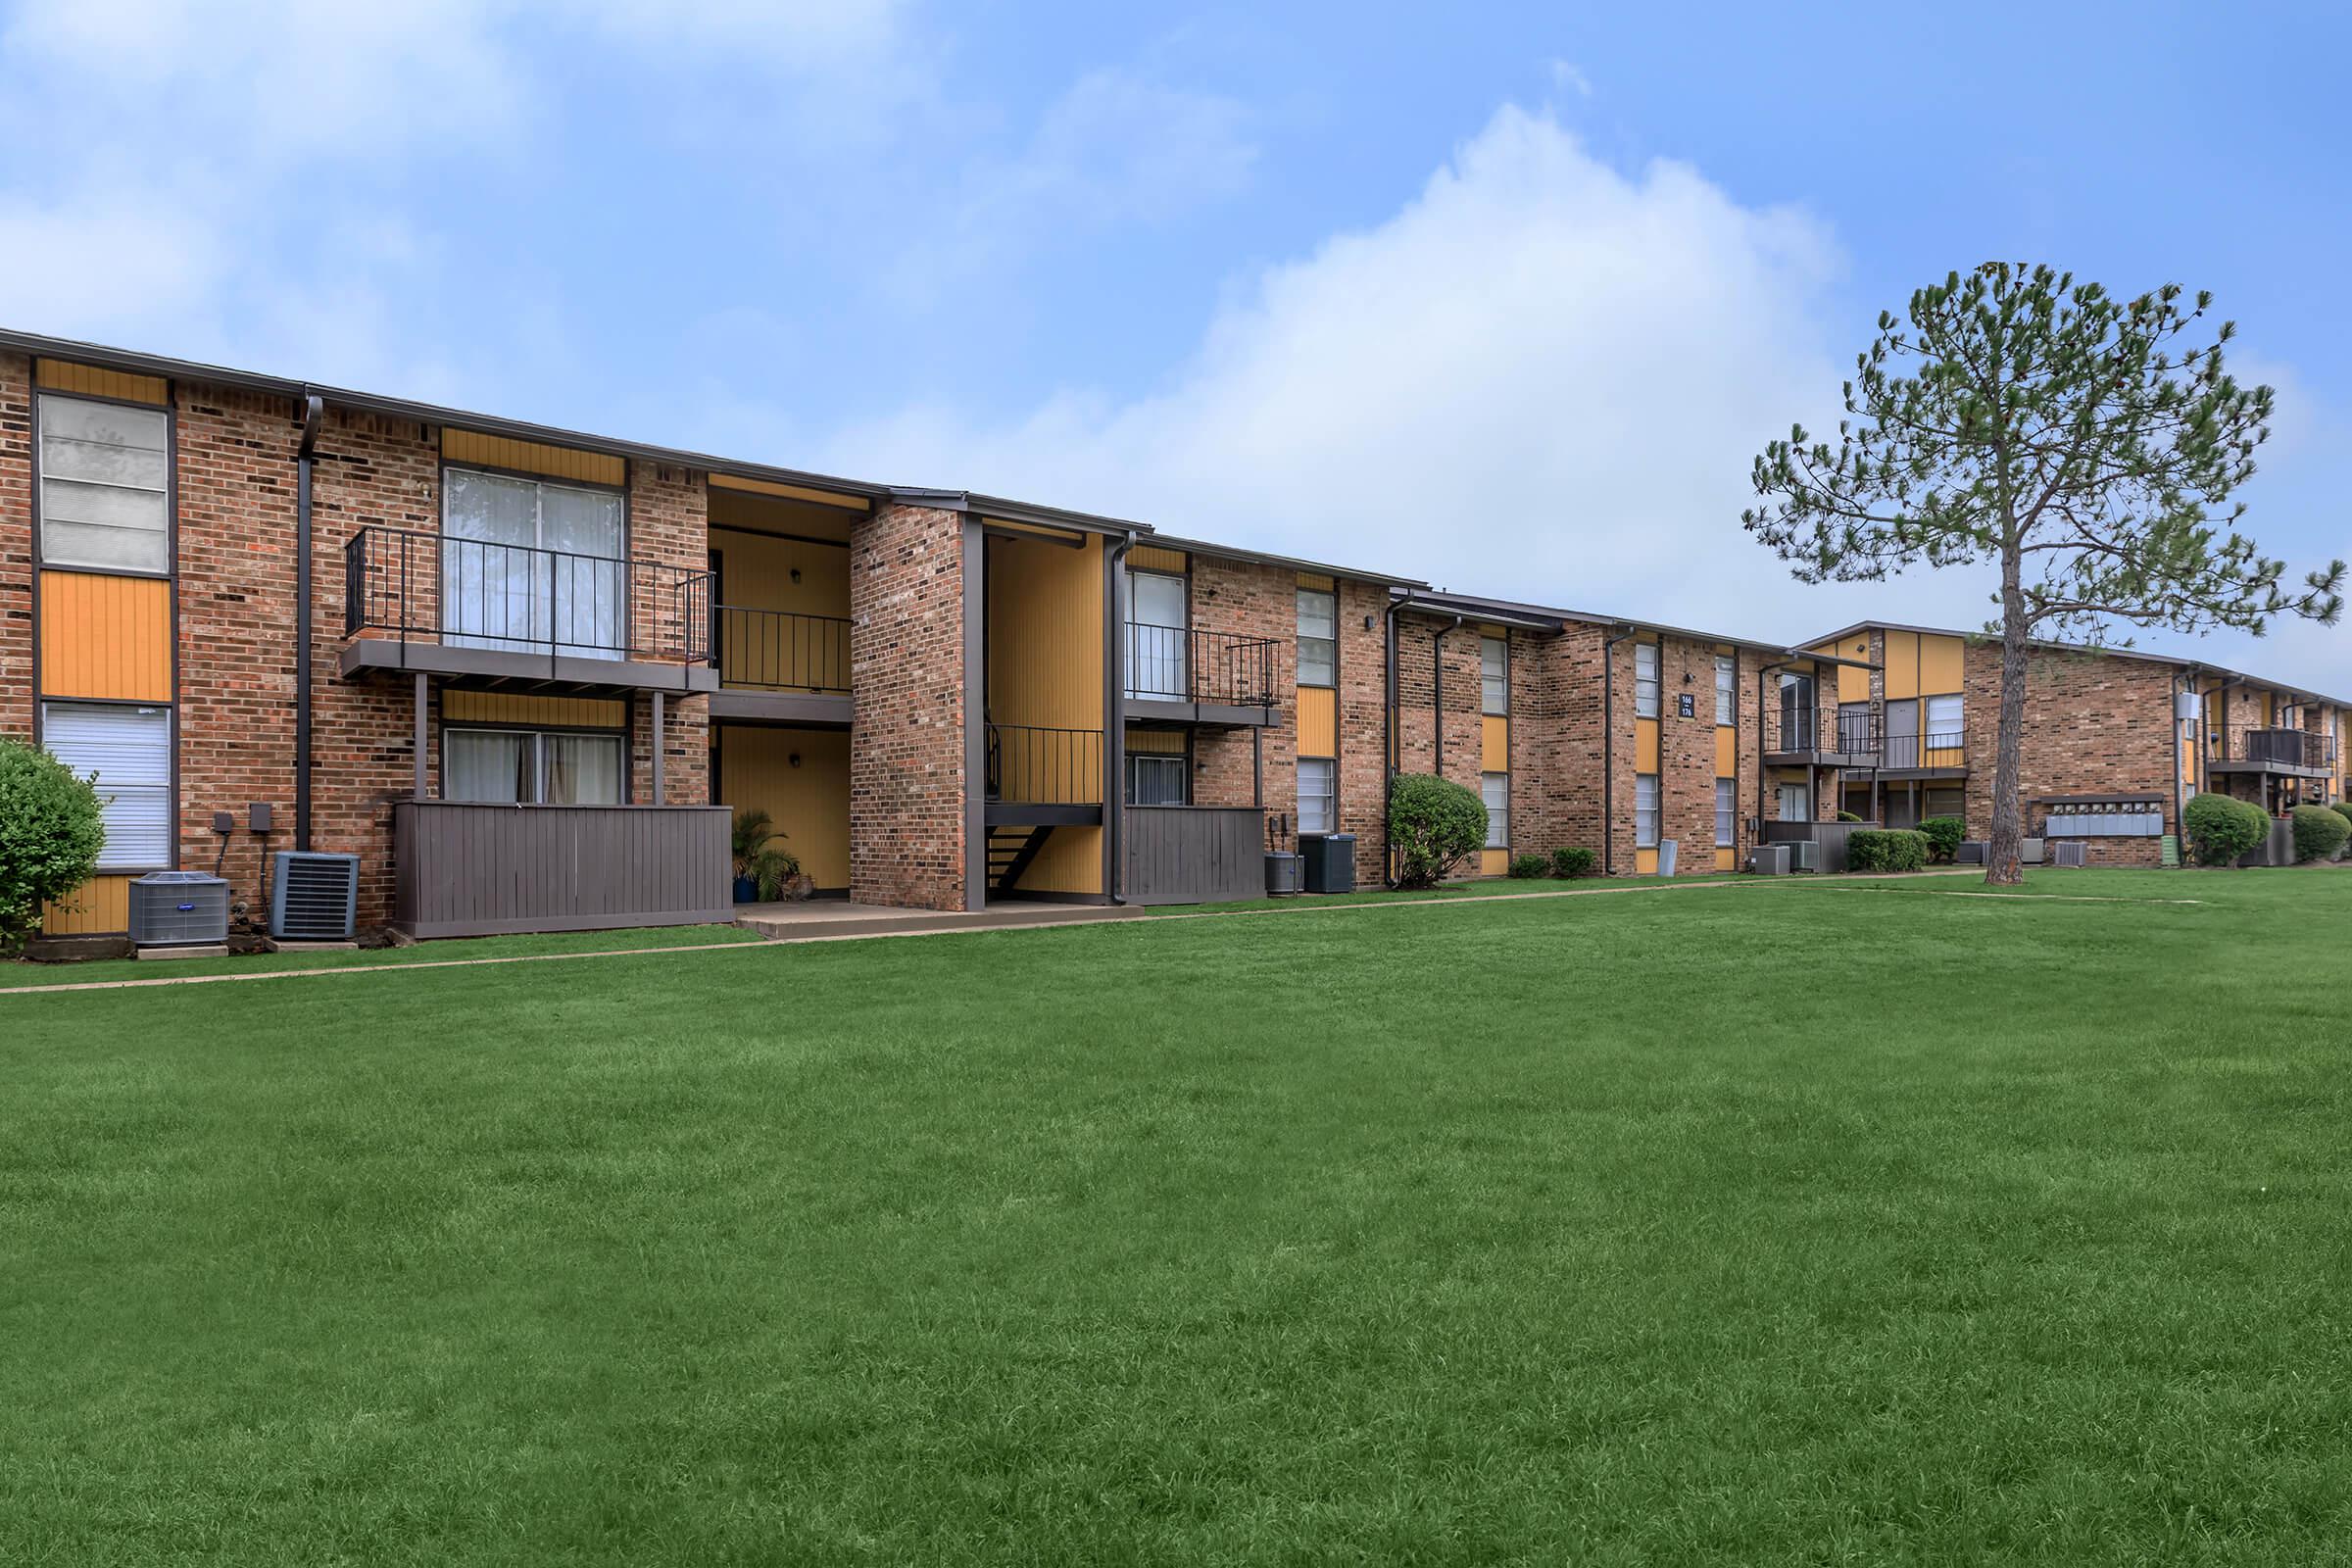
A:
(1192, 853)
(467, 868)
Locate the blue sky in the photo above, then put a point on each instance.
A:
(1505, 297)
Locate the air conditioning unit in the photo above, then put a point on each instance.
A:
(313, 896)
(1804, 856)
(178, 909)
(1769, 860)
(2069, 853)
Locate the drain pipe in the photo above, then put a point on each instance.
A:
(1114, 707)
(1388, 740)
(313, 410)
(1609, 748)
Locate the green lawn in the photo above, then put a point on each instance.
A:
(1795, 1222)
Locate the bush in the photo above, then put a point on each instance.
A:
(1531, 864)
(1434, 823)
(51, 831)
(2343, 806)
(2221, 829)
(1874, 849)
(1573, 862)
(1849, 817)
(1944, 834)
(2319, 833)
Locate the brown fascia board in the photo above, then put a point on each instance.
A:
(1261, 558)
(1010, 510)
(2177, 660)
(1471, 604)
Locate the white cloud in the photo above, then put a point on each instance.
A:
(1541, 377)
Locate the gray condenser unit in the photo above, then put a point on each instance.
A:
(178, 909)
(1804, 856)
(313, 895)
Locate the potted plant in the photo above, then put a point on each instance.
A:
(762, 871)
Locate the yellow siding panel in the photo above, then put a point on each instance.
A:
(517, 708)
(1942, 666)
(790, 492)
(1156, 742)
(104, 636)
(1494, 744)
(756, 573)
(810, 802)
(1322, 581)
(1318, 721)
(62, 376)
(532, 456)
(1727, 752)
(1044, 669)
(1071, 861)
(1156, 557)
(1493, 863)
(1902, 664)
(100, 906)
(1726, 859)
(1646, 862)
(1645, 746)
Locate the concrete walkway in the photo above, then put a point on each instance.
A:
(842, 922)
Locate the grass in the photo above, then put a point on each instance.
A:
(1473, 887)
(1799, 1224)
(18, 975)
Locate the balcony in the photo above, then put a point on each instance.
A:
(427, 603)
(781, 666)
(1202, 677)
(1038, 775)
(2285, 753)
(1934, 753)
(1799, 737)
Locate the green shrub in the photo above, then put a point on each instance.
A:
(1849, 817)
(1944, 834)
(1531, 864)
(1434, 823)
(2319, 833)
(2221, 829)
(2344, 808)
(1876, 849)
(1573, 862)
(51, 830)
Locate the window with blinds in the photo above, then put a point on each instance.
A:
(1645, 680)
(1495, 790)
(1646, 811)
(128, 747)
(105, 485)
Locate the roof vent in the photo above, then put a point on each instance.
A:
(313, 896)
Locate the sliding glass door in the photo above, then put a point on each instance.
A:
(526, 564)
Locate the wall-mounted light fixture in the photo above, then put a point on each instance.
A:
(795, 759)
(796, 574)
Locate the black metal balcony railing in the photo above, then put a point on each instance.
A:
(780, 651)
(1937, 749)
(1799, 729)
(477, 594)
(1038, 767)
(1171, 664)
(2281, 747)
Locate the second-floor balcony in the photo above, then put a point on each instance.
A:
(439, 604)
(1938, 750)
(781, 651)
(1815, 736)
(1214, 674)
(2296, 752)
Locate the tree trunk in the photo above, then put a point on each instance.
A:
(2005, 857)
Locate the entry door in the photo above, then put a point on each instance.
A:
(1903, 733)
(525, 564)
(1156, 650)
(1797, 723)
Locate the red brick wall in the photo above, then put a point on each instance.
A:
(668, 523)
(907, 776)
(16, 545)
(2095, 724)
(1362, 703)
(1248, 599)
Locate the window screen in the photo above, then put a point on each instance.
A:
(1495, 674)
(1318, 795)
(1495, 790)
(1646, 811)
(104, 483)
(1318, 637)
(1727, 814)
(1645, 680)
(1726, 692)
(130, 749)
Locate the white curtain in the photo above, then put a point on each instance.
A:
(488, 764)
(1156, 650)
(586, 613)
(583, 769)
(525, 565)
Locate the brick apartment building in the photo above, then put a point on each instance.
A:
(526, 677)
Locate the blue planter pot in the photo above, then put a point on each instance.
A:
(747, 891)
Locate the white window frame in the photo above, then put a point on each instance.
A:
(1324, 771)
(1727, 814)
(1930, 727)
(1327, 642)
(1494, 675)
(46, 469)
(1498, 813)
(151, 785)
(1646, 811)
(1157, 651)
(554, 597)
(1645, 680)
(1727, 689)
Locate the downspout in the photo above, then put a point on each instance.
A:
(313, 410)
(2179, 786)
(1388, 740)
(1114, 782)
(1608, 750)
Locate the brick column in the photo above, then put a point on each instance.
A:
(906, 742)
